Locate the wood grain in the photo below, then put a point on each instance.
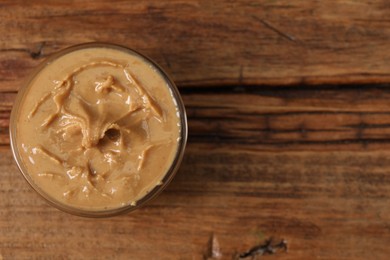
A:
(327, 205)
(306, 118)
(289, 128)
(307, 164)
(210, 42)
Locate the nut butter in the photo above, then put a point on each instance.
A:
(98, 129)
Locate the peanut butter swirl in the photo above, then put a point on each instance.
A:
(100, 133)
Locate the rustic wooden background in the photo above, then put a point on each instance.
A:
(289, 128)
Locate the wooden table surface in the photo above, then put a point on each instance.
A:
(288, 105)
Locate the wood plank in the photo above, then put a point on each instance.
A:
(210, 43)
(300, 118)
(327, 205)
(308, 118)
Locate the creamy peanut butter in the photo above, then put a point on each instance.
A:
(98, 128)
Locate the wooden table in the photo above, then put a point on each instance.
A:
(289, 129)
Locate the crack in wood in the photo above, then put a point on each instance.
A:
(281, 89)
(34, 54)
(231, 139)
(268, 25)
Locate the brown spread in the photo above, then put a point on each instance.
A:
(98, 128)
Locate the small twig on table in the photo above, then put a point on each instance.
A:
(266, 249)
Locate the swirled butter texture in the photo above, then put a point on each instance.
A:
(98, 128)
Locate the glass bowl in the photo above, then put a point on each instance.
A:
(110, 211)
